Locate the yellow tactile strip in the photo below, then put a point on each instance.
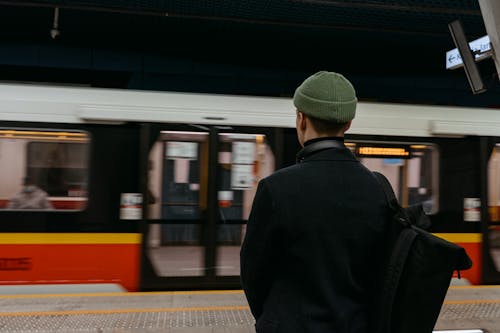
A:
(141, 320)
(130, 312)
(114, 303)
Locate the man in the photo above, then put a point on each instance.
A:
(30, 197)
(312, 252)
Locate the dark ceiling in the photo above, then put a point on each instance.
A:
(369, 40)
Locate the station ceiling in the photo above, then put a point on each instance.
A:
(377, 38)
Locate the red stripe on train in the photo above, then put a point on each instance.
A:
(70, 263)
(473, 275)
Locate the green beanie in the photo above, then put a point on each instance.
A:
(328, 96)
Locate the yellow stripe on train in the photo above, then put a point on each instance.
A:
(461, 237)
(70, 238)
(135, 238)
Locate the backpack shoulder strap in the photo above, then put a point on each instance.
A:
(398, 256)
(403, 241)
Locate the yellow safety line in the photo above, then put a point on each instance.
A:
(185, 292)
(69, 238)
(122, 294)
(188, 309)
(476, 287)
(473, 301)
(117, 311)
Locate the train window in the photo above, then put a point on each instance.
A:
(43, 169)
(243, 160)
(494, 205)
(410, 168)
(494, 185)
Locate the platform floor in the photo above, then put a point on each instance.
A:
(465, 307)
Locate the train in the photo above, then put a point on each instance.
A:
(151, 190)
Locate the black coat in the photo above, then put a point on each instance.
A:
(312, 251)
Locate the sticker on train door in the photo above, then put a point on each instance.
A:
(472, 210)
(131, 206)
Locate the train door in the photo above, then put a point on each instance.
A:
(490, 158)
(199, 184)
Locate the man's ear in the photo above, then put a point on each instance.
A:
(301, 120)
(347, 126)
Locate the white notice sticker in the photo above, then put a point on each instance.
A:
(472, 210)
(181, 149)
(131, 206)
(242, 176)
(243, 152)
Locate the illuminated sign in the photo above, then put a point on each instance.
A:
(43, 135)
(383, 152)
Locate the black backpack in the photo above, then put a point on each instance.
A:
(419, 269)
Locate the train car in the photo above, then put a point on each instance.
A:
(152, 190)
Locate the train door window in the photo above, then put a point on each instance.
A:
(494, 205)
(410, 168)
(177, 197)
(243, 159)
(43, 169)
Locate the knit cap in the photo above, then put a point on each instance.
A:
(328, 96)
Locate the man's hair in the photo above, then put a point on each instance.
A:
(326, 127)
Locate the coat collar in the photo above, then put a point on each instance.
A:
(328, 138)
(322, 150)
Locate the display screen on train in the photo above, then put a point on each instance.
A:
(383, 151)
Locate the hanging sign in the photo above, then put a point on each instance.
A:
(481, 48)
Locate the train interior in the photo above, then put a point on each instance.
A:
(55, 161)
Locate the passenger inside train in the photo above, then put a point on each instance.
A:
(30, 197)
